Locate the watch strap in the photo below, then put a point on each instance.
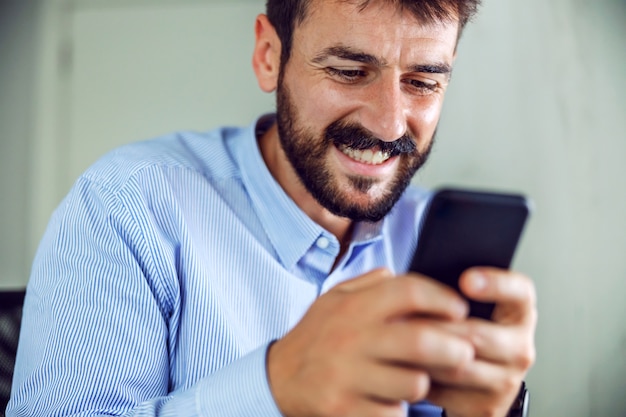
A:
(521, 403)
(519, 408)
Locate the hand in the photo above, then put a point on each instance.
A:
(355, 352)
(504, 347)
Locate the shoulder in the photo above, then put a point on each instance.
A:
(200, 154)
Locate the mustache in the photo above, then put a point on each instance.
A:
(359, 138)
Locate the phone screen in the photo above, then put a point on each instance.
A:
(466, 228)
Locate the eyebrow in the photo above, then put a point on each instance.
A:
(350, 54)
(440, 68)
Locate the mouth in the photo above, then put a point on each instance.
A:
(365, 156)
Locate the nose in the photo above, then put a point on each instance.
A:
(385, 112)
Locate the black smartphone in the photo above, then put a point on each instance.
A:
(465, 228)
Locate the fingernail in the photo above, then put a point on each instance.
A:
(462, 309)
(479, 281)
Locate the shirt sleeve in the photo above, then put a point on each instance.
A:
(424, 409)
(99, 325)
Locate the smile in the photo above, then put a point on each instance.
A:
(366, 156)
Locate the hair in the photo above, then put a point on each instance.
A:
(286, 15)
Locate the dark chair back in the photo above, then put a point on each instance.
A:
(10, 318)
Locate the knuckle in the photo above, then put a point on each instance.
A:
(528, 286)
(456, 375)
(418, 387)
(531, 287)
(527, 358)
(533, 316)
(417, 347)
(334, 404)
(422, 344)
(525, 353)
(489, 412)
(428, 343)
(510, 384)
(495, 407)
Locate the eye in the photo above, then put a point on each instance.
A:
(347, 75)
(423, 87)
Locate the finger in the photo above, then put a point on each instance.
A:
(421, 342)
(477, 375)
(417, 295)
(513, 293)
(464, 402)
(496, 343)
(503, 344)
(493, 395)
(388, 383)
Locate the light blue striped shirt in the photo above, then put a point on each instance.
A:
(167, 271)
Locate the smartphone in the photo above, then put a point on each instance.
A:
(464, 228)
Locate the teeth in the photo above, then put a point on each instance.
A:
(366, 156)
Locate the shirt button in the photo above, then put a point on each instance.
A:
(322, 243)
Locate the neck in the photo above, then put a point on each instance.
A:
(284, 173)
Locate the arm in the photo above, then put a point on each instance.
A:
(100, 322)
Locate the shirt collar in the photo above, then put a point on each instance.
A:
(289, 229)
(365, 232)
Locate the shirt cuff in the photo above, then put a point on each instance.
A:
(238, 389)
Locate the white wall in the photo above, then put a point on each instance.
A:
(18, 39)
(536, 105)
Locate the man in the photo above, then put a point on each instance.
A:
(262, 271)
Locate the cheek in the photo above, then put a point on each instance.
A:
(425, 118)
(327, 105)
(430, 111)
(320, 104)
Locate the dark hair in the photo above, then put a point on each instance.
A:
(285, 15)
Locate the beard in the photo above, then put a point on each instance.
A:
(308, 152)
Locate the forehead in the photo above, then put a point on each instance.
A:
(381, 28)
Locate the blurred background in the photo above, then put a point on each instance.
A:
(537, 105)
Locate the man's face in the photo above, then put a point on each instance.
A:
(358, 103)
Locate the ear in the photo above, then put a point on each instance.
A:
(266, 55)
